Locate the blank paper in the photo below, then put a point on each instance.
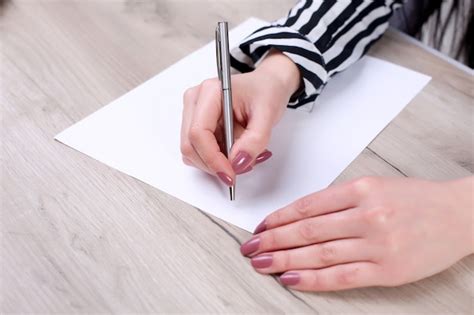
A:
(139, 134)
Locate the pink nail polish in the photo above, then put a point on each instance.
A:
(241, 161)
(246, 170)
(262, 261)
(262, 157)
(261, 227)
(226, 179)
(250, 246)
(290, 278)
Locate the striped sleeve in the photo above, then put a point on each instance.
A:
(322, 37)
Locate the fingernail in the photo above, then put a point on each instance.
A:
(246, 170)
(261, 227)
(262, 157)
(241, 161)
(226, 179)
(250, 246)
(290, 278)
(263, 261)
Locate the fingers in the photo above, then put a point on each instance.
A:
(339, 277)
(190, 156)
(199, 145)
(314, 256)
(334, 198)
(238, 131)
(252, 142)
(262, 157)
(339, 225)
(203, 126)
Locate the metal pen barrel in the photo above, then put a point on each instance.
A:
(223, 67)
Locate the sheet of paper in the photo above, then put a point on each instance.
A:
(138, 134)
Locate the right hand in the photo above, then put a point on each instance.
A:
(259, 100)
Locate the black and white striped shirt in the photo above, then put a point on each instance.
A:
(322, 37)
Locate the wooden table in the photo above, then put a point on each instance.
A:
(78, 236)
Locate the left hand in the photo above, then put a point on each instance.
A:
(372, 231)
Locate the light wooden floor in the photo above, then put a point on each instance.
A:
(78, 236)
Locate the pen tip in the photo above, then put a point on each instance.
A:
(232, 193)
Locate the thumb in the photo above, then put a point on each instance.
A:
(251, 143)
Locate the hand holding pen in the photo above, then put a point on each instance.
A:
(259, 99)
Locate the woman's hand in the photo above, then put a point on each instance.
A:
(259, 100)
(368, 232)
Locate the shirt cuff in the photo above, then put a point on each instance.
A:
(297, 47)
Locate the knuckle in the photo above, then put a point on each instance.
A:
(274, 218)
(186, 149)
(194, 134)
(303, 206)
(211, 163)
(327, 254)
(364, 185)
(285, 261)
(307, 230)
(379, 217)
(259, 138)
(188, 96)
(186, 161)
(268, 241)
(347, 276)
(210, 84)
(317, 282)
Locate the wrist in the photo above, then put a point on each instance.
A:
(462, 191)
(282, 69)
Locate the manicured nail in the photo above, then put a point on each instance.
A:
(290, 278)
(246, 170)
(261, 227)
(241, 161)
(262, 261)
(262, 157)
(226, 179)
(250, 246)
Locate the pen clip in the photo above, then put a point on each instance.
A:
(218, 54)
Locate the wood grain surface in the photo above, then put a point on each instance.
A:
(80, 237)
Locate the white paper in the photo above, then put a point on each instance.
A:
(138, 134)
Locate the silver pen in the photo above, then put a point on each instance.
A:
(223, 71)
